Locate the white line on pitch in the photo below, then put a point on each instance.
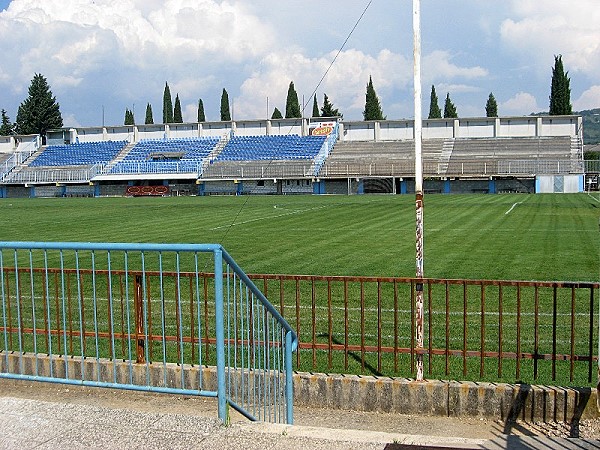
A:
(593, 198)
(297, 211)
(512, 207)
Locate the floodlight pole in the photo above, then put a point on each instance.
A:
(418, 188)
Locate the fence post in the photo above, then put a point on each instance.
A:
(289, 386)
(220, 335)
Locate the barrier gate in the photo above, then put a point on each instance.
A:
(173, 318)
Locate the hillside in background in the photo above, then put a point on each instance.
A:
(591, 126)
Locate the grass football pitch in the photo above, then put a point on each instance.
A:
(509, 237)
(500, 237)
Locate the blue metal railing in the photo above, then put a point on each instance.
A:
(145, 317)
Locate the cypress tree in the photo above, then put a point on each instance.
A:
(449, 109)
(434, 108)
(177, 116)
(292, 107)
(372, 105)
(491, 107)
(327, 110)
(560, 90)
(129, 120)
(276, 114)
(40, 111)
(149, 119)
(6, 128)
(167, 105)
(225, 115)
(315, 112)
(201, 116)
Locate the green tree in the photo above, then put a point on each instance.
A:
(327, 110)
(177, 116)
(449, 109)
(560, 90)
(315, 112)
(434, 108)
(225, 114)
(372, 105)
(292, 107)
(491, 107)
(40, 111)
(149, 119)
(167, 105)
(129, 120)
(6, 128)
(277, 114)
(201, 116)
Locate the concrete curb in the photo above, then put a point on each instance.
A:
(346, 392)
(445, 398)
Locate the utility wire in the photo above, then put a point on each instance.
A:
(222, 240)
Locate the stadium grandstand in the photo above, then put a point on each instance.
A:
(533, 154)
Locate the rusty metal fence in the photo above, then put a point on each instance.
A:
(144, 317)
(488, 330)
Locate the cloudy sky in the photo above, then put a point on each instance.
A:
(115, 54)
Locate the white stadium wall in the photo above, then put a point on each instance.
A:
(385, 130)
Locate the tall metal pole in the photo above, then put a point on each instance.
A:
(418, 187)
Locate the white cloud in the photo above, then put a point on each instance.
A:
(522, 103)
(558, 27)
(345, 83)
(590, 99)
(438, 65)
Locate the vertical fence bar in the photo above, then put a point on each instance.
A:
(591, 336)
(379, 325)
(220, 335)
(362, 326)
(313, 309)
(180, 318)
(447, 371)
(395, 326)
(554, 321)
(329, 327)
(500, 329)
(145, 299)
(19, 313)
(572, 354)
(47, 294)
(199, 321)
(33, 317)
(4, 324)
(80, 302)
(289, 386)
(346, 330)
(482, 333)
(111, 325)
(412, 327)
(430, 328)
(465, 328)
(518, 366)
(298, 318)
(139, 319)
(64, 312)
(95, 311)
(69, 313)
(163, 314)
(536, 328)
(10, 325)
